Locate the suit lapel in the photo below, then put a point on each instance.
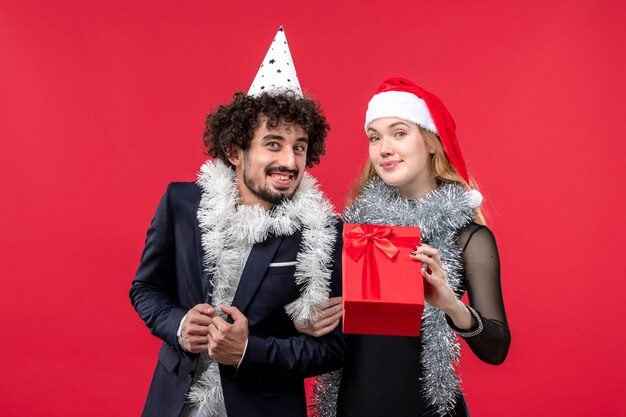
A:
(253, 273)
(202, 272)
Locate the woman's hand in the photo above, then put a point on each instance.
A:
(437, 291)
(325, 320)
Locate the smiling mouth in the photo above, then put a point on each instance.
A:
(282, 179)
(389, 164)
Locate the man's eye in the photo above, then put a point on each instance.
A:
(300, 148)
(272, 145)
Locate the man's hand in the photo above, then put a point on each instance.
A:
(228, 341)
(195, 330)
(324, 321)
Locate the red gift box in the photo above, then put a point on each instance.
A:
(383, 291)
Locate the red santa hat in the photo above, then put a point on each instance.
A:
(403, 99)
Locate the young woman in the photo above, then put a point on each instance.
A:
(416, 176)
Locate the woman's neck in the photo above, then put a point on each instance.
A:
(417, 188)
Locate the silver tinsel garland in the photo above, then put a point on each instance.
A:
(227, 226)
(439, 214)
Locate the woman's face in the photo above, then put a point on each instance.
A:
(400, 156)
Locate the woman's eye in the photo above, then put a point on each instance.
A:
(400, 133)
(374, 139)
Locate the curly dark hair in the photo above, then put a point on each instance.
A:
(233, 125)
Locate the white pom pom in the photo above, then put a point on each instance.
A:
(474, 198)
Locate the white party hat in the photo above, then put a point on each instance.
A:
(277, 73)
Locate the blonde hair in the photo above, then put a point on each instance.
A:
(442, 170)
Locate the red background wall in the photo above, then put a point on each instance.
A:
(102, 104)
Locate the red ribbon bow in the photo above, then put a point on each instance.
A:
(356, 241)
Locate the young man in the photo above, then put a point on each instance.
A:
(230, 260)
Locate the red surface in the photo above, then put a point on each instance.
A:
(102, 104)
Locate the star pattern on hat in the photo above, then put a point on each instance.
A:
(282, 76)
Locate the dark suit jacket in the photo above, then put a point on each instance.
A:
(171, 280)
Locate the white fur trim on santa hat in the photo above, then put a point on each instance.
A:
(401, 105)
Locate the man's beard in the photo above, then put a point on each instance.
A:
(265, 193)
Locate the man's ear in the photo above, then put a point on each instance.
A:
(235, 156)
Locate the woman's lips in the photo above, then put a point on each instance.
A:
(389, 165)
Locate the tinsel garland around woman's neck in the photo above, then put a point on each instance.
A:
(440, 214)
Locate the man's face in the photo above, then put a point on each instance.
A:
(271, 169)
